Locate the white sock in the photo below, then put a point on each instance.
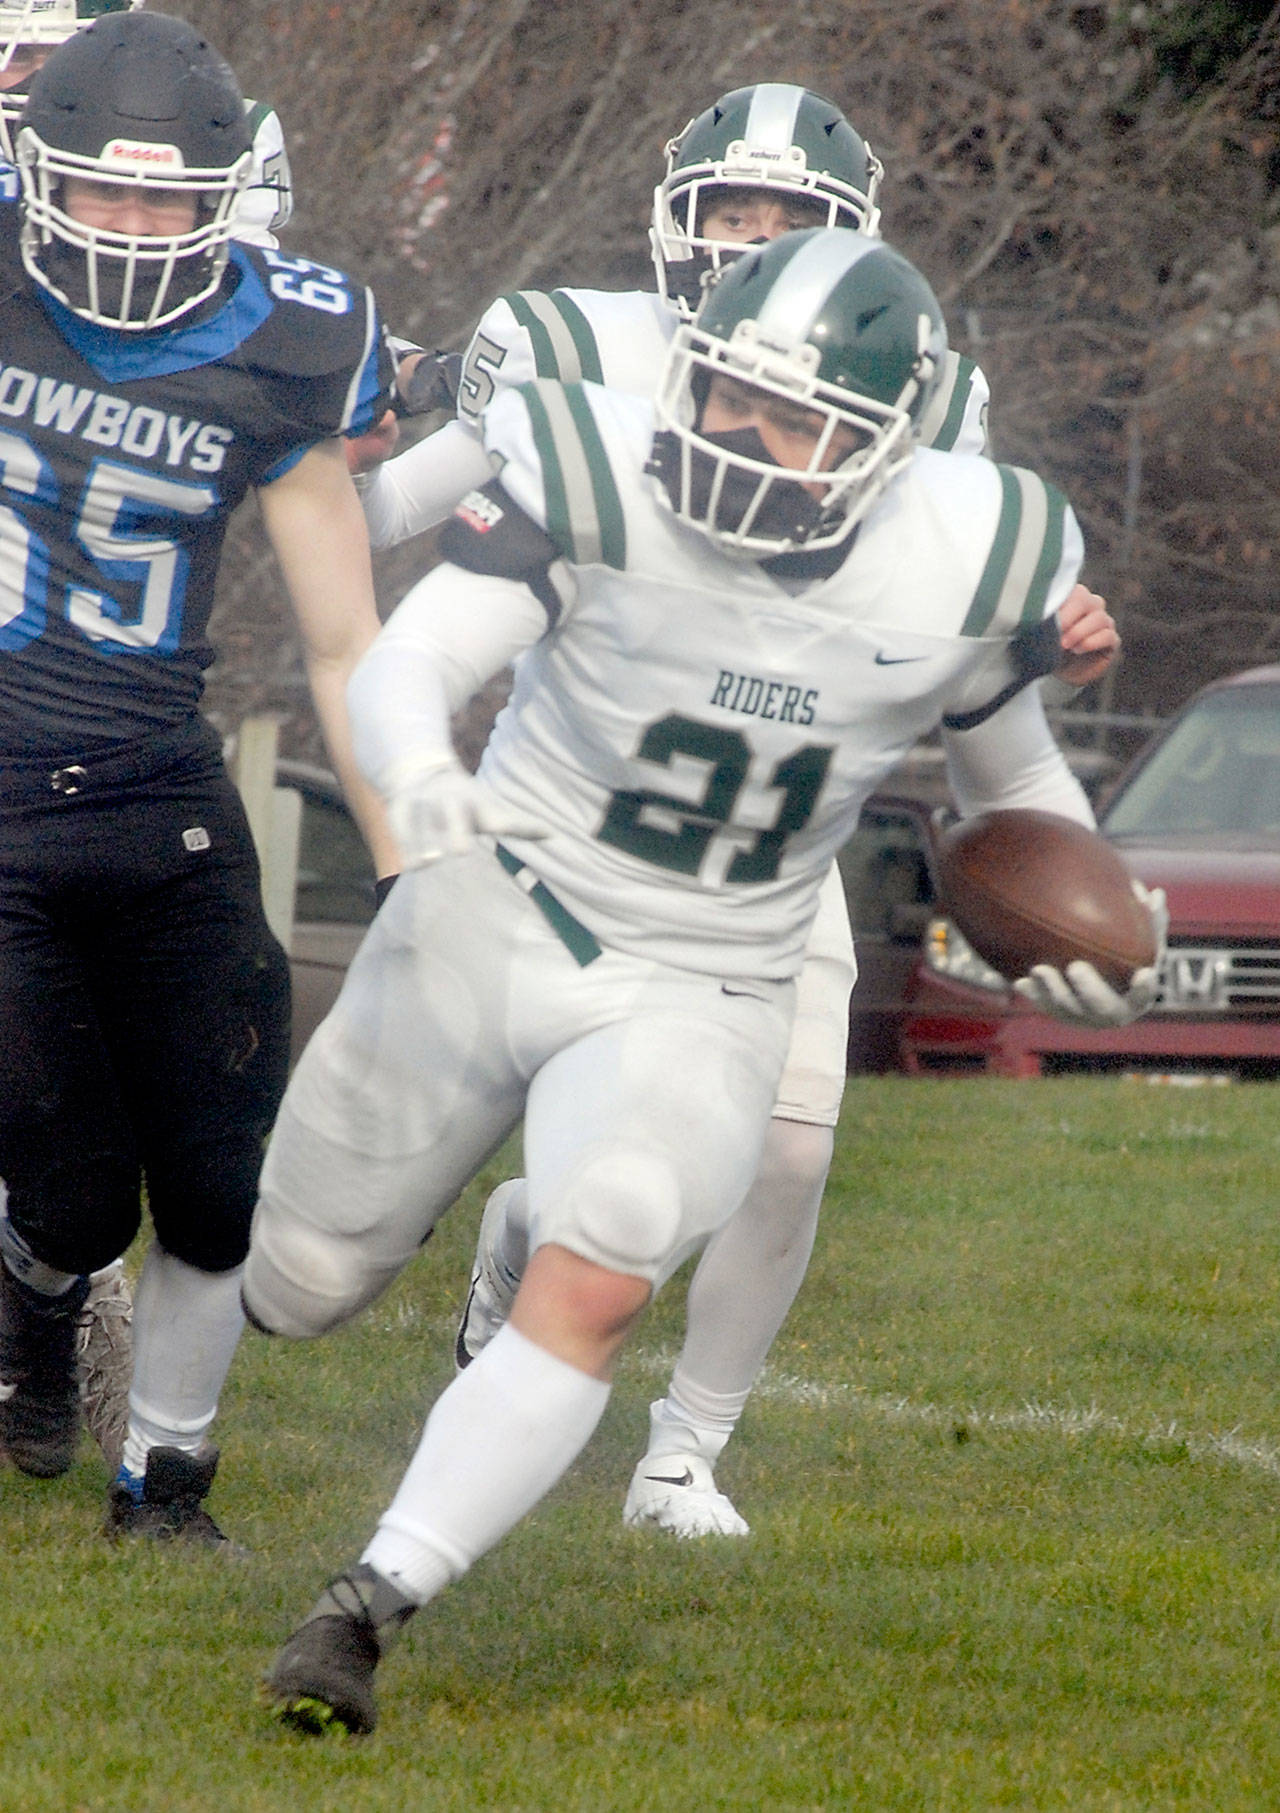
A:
(497, 1439)
(186, 1324)
(746, 1282)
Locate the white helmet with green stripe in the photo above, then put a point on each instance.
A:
(834, 321)
(772, 136)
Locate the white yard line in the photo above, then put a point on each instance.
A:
(1067, 1420)
(1231, 1447)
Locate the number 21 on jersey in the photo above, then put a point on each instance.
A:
(682, 834)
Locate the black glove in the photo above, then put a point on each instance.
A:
(431, 385)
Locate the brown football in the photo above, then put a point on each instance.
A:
(1029, 887)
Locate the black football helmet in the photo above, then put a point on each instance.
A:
(137, 100)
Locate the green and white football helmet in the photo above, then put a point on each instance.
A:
(834, 321)
(772, 136)
(29, 30)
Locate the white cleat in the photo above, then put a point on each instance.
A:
(678, 1492)
(493, 1284)
(104, 1360)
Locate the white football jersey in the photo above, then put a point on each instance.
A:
(620, 338)
(698, 735)
(266, 201)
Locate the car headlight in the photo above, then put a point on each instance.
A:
(948, 953)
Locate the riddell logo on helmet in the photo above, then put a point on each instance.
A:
(141, 154)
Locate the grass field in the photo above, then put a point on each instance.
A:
(1013, 1478)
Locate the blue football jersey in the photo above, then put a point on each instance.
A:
(122, 456)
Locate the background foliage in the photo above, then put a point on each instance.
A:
(1089, 187)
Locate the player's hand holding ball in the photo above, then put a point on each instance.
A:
(437, 809)
(1048, 903)
(1081, 994)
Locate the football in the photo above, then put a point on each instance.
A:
(1028, 887)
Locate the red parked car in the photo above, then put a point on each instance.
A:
(1197, 814)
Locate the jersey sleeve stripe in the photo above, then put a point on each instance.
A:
(590, 369)
(357, 409)
(1025, 552)
(608, 505)
(555, 354)
(1050, 552)
(584, 511)
(553, 485)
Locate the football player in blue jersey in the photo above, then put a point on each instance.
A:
(155, 371)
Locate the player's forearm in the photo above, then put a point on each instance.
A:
(420, 487)
(449, 636)
(1013, 760)
(328, 682)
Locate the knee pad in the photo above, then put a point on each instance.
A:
(299, 1281)
(81, 1215)
(796, 1157)
(620, 1209)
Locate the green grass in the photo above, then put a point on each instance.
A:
(1013, 1478)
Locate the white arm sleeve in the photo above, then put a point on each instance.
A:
(420, 487)
(451, 634)
(1013, 760)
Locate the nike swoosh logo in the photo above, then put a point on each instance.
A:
(740, 994)
(667, 1479)
(883, 660)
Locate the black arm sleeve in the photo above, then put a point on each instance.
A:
(489, 533)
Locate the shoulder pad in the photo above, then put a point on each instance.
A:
(490, 533)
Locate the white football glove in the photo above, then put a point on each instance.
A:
(1081, 995)
(437, 809)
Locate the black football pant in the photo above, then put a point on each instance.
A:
(144, 1009)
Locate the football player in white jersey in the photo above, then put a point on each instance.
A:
(761, 161)
(601, 930)
(30, 30)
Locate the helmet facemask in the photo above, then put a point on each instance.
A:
(685, 257)
(133, 282)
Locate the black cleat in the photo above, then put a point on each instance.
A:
(39, 1401)
(322, 1680)
(172, 1504)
